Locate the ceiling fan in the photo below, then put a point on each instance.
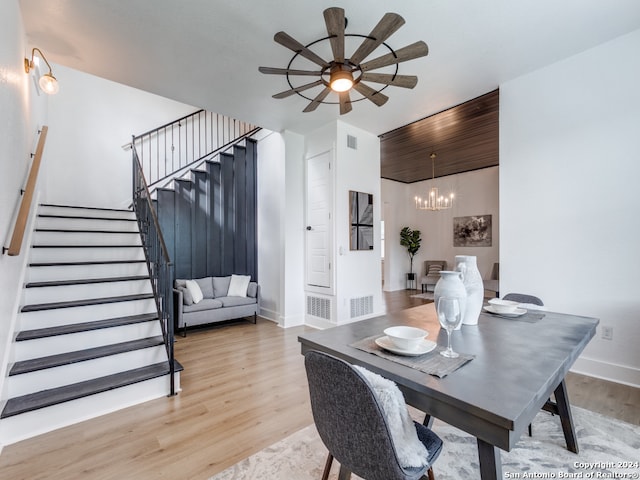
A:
(342, 73)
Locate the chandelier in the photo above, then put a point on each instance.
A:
(434, 200)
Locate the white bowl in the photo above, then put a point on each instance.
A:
(406, 338)
(503, 306)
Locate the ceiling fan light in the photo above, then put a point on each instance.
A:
(341, 80)
(49, 84)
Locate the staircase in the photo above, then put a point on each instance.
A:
(89, 341)
(208, 218)
(200, 172)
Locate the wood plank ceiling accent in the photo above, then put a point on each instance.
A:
(464, 138)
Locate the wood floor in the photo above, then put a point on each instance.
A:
(244, 388)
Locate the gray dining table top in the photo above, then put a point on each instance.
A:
(517, 366)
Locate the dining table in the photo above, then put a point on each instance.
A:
(515, 365)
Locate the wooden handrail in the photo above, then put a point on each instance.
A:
(25, 205)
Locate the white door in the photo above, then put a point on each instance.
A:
(319, 190)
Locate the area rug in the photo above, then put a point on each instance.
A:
(424, 296)
(608, 449)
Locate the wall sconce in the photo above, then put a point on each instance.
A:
(47, 82)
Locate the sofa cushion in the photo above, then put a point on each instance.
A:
(205, 304)
(236, 301)
(206, 286)
(221, 286)
(187, 299)
(252, 290)
(181, 285)
(195, 291)
(238, 285)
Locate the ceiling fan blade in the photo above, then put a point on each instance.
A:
(345, 102)
(301, 88)
(415, 50)
(383, 30)
(317, 101)
(292, 44)
(404, 81)
(334, 19)
(376, 97)
(286, 71)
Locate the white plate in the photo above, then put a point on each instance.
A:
(424, 347)
(516, 313)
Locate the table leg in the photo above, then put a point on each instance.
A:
(564, 411)
(490, 463)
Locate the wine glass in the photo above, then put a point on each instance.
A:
(449, 314)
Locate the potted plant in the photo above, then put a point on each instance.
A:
(410, 239)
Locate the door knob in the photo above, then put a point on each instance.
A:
(308, 227)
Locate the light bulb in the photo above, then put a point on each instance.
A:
(341, 80)
(49, 84)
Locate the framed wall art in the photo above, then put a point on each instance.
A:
(472, 231)
(361, 221)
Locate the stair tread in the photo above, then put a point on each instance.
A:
(68, 230)
(55, 396)
(82, 303)
(85, 326)
(68, 358)
(85, 246)
(91, 262)
(85, 208)
(86, 281)
(87, 217)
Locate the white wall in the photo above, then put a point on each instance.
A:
(92, 118)
(271, 180)
(358, 272)
(281, 227)
(22, 111)
(292, 293)
(569, 207)
(476, 193)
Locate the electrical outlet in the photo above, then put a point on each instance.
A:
(607, 333)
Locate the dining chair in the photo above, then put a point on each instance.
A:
(353, 427)
(533, 300)
(431, 275)
(523, 298)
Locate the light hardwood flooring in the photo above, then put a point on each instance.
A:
(244, 388)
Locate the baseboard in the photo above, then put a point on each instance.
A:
(607, 371)
(268, 314)
(284, 322)
(291, 321)
(318, 323)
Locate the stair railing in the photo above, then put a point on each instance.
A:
(158, 260)
(27, 198)
(166, 151)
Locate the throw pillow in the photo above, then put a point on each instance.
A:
(187, 299)
(221, 286)
(238, 285)
(434, 269)
(206, 286)
(194, 290)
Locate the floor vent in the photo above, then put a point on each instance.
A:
(361, 306)
(319, 307)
